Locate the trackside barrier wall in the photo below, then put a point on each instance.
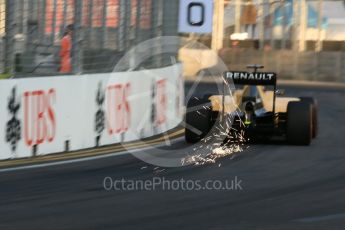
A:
(312, 66)
(41, 116)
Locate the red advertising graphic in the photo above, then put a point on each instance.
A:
(113, 13)
(39, 117)
(134, 12)
(57, 14)
(118, 108)
(162, 102)
(70, 12)
(86, 13)
(145, 14)
(49, 16)
(97, 13)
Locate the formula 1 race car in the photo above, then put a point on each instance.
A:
(257, 109)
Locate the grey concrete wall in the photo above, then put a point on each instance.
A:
(323, 66)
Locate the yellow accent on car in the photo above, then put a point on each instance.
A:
(247, 122)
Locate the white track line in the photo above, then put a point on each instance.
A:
(73, 161)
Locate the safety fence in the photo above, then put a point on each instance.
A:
(103, 31)
(40, 116)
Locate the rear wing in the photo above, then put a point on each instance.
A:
(247, 78)
(254, 78)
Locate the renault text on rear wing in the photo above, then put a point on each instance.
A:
(246, 78)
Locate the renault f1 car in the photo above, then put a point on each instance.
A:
(257, 109)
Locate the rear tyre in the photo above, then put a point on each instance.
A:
(299, 123)
(315, 115)
(198, 119)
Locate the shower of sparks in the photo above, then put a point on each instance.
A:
(212, 156)
(225, 142)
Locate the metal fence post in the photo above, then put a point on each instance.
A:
(10, 28)
(157, 22)
(127, 24)
(64, 20)
(296, 25)
(89, 22)
(137, 23)
(284, 22)
(319, 44)
(238, 6)
(272, 9)
(78, 38)
(104, 36)
(121, 31)
(42, 21)
(170, 11)
(261, 25)
(54, 23)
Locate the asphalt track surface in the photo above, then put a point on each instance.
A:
(284, 187)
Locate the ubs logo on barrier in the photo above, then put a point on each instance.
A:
(13, 127)
(39, 117)
(196, 16)
(100, 114)
(118, 109)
